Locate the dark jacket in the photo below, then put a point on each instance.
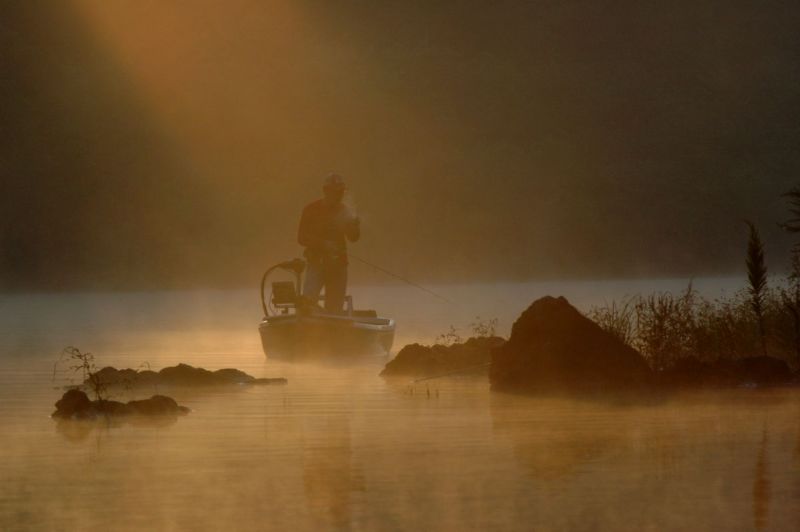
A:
(325, 229)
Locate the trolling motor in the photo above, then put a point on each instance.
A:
(284, 293)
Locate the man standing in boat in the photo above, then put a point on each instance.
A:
(325, 227)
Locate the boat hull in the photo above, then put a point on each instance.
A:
(320, 336)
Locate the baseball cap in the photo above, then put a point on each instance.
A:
(334, 181)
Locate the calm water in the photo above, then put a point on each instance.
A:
(338, 448)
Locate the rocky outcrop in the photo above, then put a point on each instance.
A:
(757, 371)
(180, 375)
(72, 404)
(75, 404)
(553, 348)
(157, 405)
(419, 361)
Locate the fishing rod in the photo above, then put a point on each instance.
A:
(387, 272)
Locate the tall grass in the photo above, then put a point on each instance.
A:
(757, 279)
(666, 327)
(82, 362)
(754, 321)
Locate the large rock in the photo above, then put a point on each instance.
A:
(553, 348)
(186, 375)
(416, 360)
(74, 403)
(111, 376)
(158, 405)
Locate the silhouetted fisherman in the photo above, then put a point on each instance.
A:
(325, 227)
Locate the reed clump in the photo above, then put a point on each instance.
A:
(666, 327)
(758, 320)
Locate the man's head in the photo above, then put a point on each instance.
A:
(334, 188)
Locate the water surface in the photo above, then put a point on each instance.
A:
(339, 448)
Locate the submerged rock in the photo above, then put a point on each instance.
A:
(416, 360)
(186, 375)
(72, 403)
(761, 371)
(110, 375)
(232, 376)
(268, 380)
(108, 407)
(158, 405)
(180, 375)
(75, 404)
(553, 347)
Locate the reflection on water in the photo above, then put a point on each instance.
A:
(329, 475)
(761, 487)
(338, 448)
(552, 441)
(79, 430)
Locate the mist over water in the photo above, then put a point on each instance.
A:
(339, 448)
(151, 145)
(155, 158)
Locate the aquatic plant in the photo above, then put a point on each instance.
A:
(480, 328)
(757, 279)
(616, 318)
(758, 319)
(659, 325)
(450, 337)
(666, 327)
(83, 362)
(483, 328)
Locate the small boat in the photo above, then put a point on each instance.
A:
(293, 328)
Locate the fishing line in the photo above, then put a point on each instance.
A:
(387, 272)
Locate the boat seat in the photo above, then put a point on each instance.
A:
(283, 293)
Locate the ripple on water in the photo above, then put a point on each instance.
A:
(340, 448)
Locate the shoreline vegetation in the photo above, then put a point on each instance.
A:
(555, 348)
(758, 320)
(643, 342)
(666, 328)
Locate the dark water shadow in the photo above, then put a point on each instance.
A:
(762, 491)
(558, 438)
(330, 477)
(548, 442)
(79, 430)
